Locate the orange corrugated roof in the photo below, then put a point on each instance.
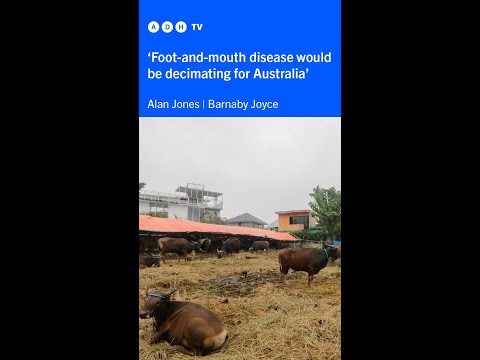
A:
(156, 224)
(292, 211)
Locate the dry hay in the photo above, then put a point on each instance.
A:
(266, 319)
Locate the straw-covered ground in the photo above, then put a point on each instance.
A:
(266, 319)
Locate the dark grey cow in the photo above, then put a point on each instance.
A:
(179, 246)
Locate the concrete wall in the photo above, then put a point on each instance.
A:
(180, 211)
(143, 207)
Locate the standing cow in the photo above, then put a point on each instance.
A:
(310, 260)
(260, 245)
(191, 328)
(229, 246)
(148, 244)
(179, 246)
(205, 244)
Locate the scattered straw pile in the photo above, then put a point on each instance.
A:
(266, 319)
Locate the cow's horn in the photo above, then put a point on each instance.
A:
(171, 292)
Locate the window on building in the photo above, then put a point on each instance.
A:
(299, 220)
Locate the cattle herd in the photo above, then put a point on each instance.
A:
(193, 329)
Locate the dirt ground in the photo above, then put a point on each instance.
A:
(266, 319)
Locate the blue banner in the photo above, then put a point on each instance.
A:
(249, 58)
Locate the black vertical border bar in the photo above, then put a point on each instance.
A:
(371, 220)
(77, 219)
(115, 287)
(351, 129)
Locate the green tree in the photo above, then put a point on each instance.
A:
(141, 186)
(327, 209)
(211, 218)
(318, 235)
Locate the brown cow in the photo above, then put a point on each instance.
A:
(260, 245)
(193, 329)
(310, 260)
(179, 246)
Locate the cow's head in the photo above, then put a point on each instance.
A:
(197, 247)
(154, 304)
(205, 243)
(333, 251)
(220, 253)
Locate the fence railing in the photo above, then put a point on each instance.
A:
(149, 195)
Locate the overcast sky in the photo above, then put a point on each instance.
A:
(261, 165)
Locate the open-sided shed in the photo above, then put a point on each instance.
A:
(159, 227)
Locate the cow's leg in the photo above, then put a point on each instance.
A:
(163, 258)
(283, 273)
(310, 276)
(160, 335)
(161, 332)
(157, 337)
(185, 351)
